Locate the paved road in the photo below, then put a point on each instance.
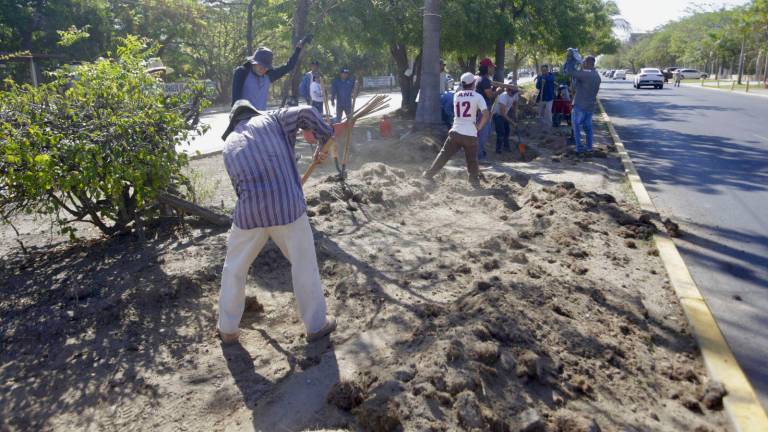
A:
(703, 156)
(218, 119)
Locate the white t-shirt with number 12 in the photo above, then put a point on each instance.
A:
(466, 104)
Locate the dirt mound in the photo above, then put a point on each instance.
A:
(515, 306)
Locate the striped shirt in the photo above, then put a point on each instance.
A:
(260, 160)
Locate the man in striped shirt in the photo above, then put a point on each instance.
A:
(260, 160)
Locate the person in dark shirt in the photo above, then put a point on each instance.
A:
(251, 80)
(485, 88)
(545, 83)
(342, 92)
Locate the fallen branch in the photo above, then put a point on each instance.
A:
(194, 209)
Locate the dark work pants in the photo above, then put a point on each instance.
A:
(502, 133)
(453, 144)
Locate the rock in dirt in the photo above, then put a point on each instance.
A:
(468, 410)
(530, 421)
(346, 395)
(712, 395)
(630, 244)
(569, 421)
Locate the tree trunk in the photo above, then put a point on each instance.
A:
(428, 110)
(468, 64)
(515, 65)
(500, 47)
(741, 60)
(249, 27)
(765, 68)
(400, 55)
(299, 30)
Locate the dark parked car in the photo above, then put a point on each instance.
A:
(668, 73)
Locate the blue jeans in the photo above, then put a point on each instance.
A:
(582, 119)
(482, 138)
(502, 133)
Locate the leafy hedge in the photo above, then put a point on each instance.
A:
(96, 144)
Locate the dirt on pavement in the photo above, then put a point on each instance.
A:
(536, 303)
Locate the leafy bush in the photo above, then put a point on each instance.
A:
(95, 145)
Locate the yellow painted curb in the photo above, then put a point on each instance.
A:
(741, 403)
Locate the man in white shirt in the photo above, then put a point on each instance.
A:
(463, 135)
(506, 102)
(316, 92)
(443, 78)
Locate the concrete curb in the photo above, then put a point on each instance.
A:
(741, 404)
(740, 93)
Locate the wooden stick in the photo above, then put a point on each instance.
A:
(315, 163)
(345, 160)
(194, 209)
(325, 102)
(503, 85)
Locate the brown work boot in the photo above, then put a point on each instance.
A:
(229, 338)
(328, 328)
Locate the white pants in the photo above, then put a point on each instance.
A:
(545, 114)
(298, 246)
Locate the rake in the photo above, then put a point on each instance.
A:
(373, 106)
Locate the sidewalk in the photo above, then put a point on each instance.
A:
(758, 90)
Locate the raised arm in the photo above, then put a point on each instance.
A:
(278, 72)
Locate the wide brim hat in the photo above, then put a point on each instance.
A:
(155, 65)
(262, 56)
(242, 109)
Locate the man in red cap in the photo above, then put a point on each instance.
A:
(485, 89)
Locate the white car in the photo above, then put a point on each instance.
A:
(620, 74)
(649, 77)
(692, 74)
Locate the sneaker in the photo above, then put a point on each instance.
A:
(229, 338)
(328, 328)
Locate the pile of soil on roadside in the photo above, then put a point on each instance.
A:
(518, 306)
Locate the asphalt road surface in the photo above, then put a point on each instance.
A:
(703, 156)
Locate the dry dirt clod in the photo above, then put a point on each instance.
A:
(381, 412)
(530, 365)
(712, 395)
(672, 228)
(692, 405)
(485, 352)
(252, 305)
(468, 410)
(630, 244)
(569, 421)
(346, 395)
(530, 421)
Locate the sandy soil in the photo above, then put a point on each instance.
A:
(536, 303)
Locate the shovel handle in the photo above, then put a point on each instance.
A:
(315, 163)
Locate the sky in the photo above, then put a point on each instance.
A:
(645, 15)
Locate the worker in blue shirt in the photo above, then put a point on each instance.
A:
(342, 89)
(545, 83)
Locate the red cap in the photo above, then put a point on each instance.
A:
(487, 62)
